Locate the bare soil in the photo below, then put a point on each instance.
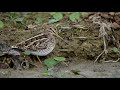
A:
(87, 69)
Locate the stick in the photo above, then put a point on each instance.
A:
(39, 60)
(104, 45)
(65, 64)
(113, 61)
(98, 56)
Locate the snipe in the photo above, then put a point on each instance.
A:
(41, 44)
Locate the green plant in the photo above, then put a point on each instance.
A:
(48, 72)
(19, 19)
(39, 20)
(59, 59)
(115, 50)
(53, 21)
(74, 16)
(1, 24)
(61, 75)
(15, 17)
(57, 16)
(50, 62)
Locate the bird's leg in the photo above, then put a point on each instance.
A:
(39, 59)
(34, 59)
(4, 59)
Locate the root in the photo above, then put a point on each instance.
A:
(99, 56)
(109, 61)
(102, 33)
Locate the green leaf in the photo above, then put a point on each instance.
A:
(48, 72)
(14, 15)
(52, 13)
(61, 75)
(84, 13)
(45, 73)
(74, 16)
(50, 62)
(53, 21)
(1, 24)
(58, 16)
(27, 52)
(115, 50)
(19, 19)
(39, 20)
(59, 58)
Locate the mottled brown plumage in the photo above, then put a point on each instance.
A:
(41, 44)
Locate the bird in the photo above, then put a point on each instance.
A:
(41, 44)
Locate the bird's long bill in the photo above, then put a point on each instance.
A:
(60, 38)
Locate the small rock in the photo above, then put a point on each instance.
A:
(115, 25)
(112, 13)
(117, 19)
(104, 15)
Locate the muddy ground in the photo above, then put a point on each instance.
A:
(80, 53)
(85, 69)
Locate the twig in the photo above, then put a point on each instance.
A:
(4, 59)
(60, 38)
(39, 59)
(66, 64)
(78, 26)
(112, 61)
(98, 56)
(56, 34)
(105, 48)
(63, 50)
(81, 37)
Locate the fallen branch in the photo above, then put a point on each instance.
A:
(99, 56)
(112, 61)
